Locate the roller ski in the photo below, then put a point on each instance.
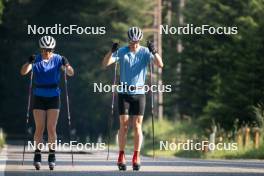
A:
(37, 159)
(52, 165)
(136, 161)
(52, 160)
(121, 163)
(136, 166)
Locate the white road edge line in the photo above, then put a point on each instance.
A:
(3, 158)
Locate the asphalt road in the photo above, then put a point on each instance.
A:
(95, 164)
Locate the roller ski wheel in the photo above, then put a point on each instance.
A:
(52, 160)
(122, 166)
(37, 165)
(37, 159)
(52, 165)
(136, 167)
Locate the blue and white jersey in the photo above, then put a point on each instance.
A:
(133, 67)
(47, 72)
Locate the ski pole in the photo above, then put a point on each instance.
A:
(27, 116)
(68, 108)
(112, 113)
(152, 112)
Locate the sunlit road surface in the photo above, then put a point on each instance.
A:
(95, 164)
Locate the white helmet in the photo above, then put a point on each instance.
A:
(135, 34)
(47, 42)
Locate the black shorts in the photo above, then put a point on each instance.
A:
(45, 103)
(131, 104)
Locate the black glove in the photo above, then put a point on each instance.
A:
(65, 61)
(151, 47)
(31, 58)
(114, 47)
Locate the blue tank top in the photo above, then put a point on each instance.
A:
(47, 73)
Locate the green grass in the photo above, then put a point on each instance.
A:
(2, 142)
(166, 130)
(241, 153)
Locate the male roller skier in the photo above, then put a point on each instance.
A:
(133, 60)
